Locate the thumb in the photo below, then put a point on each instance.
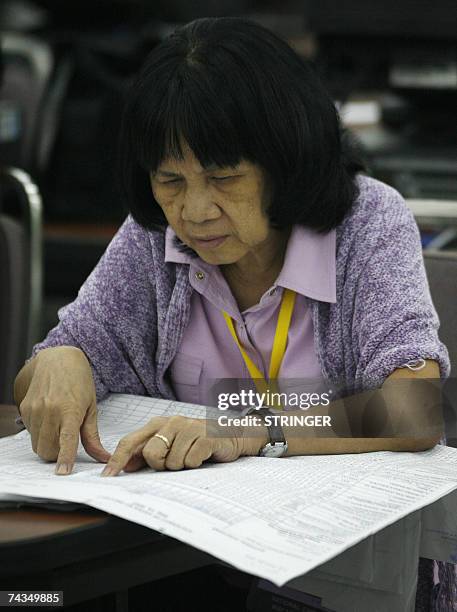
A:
(90, 438)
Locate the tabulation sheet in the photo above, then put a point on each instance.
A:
(274, 518)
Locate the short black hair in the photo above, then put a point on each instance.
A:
(234, 90)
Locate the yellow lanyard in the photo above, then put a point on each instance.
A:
(279, 343)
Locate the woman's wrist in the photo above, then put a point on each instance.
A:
(253, 440)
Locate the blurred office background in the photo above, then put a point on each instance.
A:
(391, 66)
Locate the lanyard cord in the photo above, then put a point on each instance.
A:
(279, 343)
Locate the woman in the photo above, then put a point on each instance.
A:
(242, 199)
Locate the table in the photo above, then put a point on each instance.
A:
(84, 553)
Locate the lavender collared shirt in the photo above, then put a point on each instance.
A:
(208, 351)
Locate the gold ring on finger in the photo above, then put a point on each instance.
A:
(164, 439)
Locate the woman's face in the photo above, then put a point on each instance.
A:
(218, 212)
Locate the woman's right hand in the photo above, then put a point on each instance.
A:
(55, 394)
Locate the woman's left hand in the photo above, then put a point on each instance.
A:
(189, 446)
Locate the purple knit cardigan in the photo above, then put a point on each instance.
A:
(130, 314)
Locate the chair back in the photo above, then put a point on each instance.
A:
(441, 267)
(31, 94)
(20, 274)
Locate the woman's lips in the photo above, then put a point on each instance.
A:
(210, 243)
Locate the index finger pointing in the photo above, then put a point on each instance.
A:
(129, 445)
(124, 450)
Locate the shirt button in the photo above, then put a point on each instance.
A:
(199, 275)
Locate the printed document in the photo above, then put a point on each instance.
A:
(274, 518)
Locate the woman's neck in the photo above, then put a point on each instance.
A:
(251, 276)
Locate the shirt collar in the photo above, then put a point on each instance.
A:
(309, 264)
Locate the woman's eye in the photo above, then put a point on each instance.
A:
(215, 178)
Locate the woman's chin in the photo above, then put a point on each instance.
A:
(213, 257)
(218, 256)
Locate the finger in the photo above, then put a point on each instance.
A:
(200, 451)
(24, 410)
(90, 437)
(34, 419)
(155, 452)
(48, 441)
(180, 433)
(136, 461)
(127, 446)
(182, 443)
(135, 464)
(68, 442)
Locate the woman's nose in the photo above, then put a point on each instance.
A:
(198, 207)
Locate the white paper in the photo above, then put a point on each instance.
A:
(275, 518)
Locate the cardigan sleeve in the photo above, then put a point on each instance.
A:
(394, 319)
(113, 318)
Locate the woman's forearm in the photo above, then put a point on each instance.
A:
(336, 446)
(402, 416)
